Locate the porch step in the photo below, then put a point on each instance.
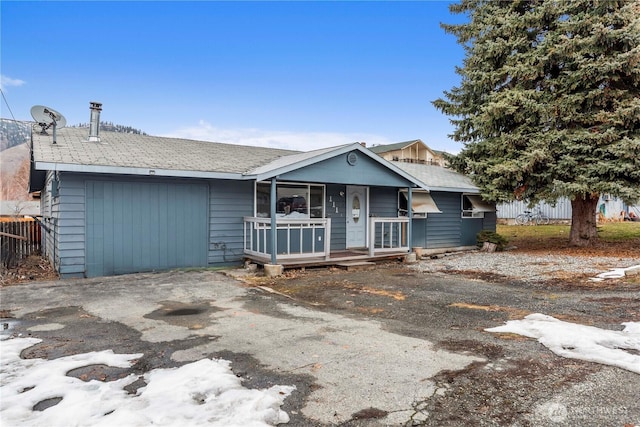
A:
(356, 265)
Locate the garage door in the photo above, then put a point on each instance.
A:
(134, 227)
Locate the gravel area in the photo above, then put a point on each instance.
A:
(530, 268)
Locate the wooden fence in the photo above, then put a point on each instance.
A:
(19, 238)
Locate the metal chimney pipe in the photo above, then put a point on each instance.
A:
(94, 123)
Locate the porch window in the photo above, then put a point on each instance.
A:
(292, 200)
(422, 204)
(474, 207)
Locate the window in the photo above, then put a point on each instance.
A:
(474, 207)
(292, 200)
(422, 204)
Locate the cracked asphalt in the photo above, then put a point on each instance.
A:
(388, 346)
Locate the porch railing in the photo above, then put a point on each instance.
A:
(296, 238)
(388, 235)
(311, 238)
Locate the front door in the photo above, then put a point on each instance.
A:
(356, 216)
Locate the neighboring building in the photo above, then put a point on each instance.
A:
(609, 208)
(414, 151)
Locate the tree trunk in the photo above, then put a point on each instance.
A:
(584, 231)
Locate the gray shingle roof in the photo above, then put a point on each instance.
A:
(292, 159)
(439, 178)
(121, 150)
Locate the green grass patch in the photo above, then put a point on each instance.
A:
(619, 231)
(609, 232)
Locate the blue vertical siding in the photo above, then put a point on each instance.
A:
(145, 224)
(229, 202)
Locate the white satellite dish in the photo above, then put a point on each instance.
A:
(48, 117)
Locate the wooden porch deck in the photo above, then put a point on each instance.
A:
(335, 258)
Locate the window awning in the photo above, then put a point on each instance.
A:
(422, 203)
(480, 205)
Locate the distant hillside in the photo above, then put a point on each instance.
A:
(15, 138)
(13, 133)
(112, 127)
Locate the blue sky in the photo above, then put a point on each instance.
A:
(298, 75)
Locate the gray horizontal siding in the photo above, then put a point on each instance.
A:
(48, 233)
(490, 221)
(444, 230)
(383, 202)
(229, 202)
(70, 230)
(335, 209)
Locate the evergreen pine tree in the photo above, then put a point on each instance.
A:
(549, 102)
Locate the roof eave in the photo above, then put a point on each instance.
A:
(465, 190)
(333, 153)
(122, 170)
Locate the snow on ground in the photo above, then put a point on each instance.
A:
(616, 273)
(582, 342)
(205, 392)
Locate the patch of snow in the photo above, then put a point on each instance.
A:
(582, 342)
(616, 273)
(201, 393)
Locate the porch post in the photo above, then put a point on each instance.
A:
(274, 231)
(410, 214)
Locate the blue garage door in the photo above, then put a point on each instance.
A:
(134, 227)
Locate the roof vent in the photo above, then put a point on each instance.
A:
(94, 123)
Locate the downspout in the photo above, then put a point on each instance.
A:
(410, 213)
(274, 231)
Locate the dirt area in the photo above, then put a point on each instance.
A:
(31, 269)
(517, 382)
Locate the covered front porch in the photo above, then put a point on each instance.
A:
(307, 242)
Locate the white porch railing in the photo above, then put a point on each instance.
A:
(297, 238)
(388, 235)
(311, 238)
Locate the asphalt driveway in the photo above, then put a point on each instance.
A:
(389, 346)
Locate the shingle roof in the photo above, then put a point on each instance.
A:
(302, 159)
(292, 159)
(122, 150)
(142, 154)
(439, 178)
